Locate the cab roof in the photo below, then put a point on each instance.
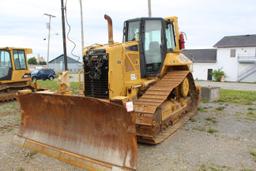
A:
(27, 50)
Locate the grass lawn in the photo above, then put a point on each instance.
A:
(53, 85)
(227, 96)
(235, 96)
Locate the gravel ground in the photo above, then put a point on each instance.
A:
(229, 85)
(220, 137)
(74, 77)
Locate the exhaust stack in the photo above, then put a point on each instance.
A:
(110, 29)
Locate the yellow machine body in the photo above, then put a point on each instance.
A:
(130, 92)
(124, 66)
(14, 72)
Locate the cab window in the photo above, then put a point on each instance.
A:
(170, 39)
(152, 45)
(19, 59)
(133, 31)
(5, 63)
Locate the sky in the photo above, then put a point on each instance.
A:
(205, 22)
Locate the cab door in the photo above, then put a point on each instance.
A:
(19, 59)
(152, 47)
(20, 65)
(5, 65)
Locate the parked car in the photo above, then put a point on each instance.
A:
(43, 74)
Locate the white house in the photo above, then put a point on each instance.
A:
(235, 55)
(204, 62)
(57, 64)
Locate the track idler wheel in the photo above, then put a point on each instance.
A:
(184, 87)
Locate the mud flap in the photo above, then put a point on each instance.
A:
(85, 132)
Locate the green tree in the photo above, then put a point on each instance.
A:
(42, 63)
(32, 61)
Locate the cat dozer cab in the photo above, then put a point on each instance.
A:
(141, 89)
(14, 73)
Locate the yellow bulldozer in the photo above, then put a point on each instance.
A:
(139, 90)
(14, 73)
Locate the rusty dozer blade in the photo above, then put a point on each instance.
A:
(85, 132)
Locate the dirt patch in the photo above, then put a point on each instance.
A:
(212, 140)
(217, 138)
(10, 117)
(8, 108)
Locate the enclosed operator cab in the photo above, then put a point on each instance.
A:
(13, 65)
(156, 37)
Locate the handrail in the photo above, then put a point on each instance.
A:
(81, 82)
(246, 56)
(246, 73)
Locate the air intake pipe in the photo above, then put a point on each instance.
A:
(110, 29)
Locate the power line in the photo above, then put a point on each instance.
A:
(68, 34)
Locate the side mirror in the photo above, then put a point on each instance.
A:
(182, 41)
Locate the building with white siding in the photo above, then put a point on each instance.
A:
(235, 55)
(204, 62)
(57, 64)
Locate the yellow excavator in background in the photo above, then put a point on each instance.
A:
(139, 90)
(14, 73)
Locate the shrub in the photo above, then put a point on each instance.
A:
(218, 74)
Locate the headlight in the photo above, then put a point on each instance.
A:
(27, 75)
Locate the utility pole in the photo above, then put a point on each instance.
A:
(64, 36)
(49, 35)
(82, 26)
(149, 8)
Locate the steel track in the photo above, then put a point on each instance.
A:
(8, 93)
(150, 128)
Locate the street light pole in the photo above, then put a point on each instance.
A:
(49, 36)
(82, 26)
(149, 8)
(64, 36)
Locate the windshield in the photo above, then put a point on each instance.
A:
(19, 59)
(152, 45)
(5, 63)
(133, 31)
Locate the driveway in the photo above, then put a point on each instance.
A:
(229, 85)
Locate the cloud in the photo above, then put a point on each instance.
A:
(205, 22)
